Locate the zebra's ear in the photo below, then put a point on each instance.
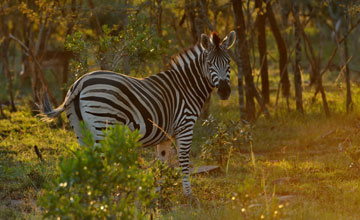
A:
(204, 41)
(229, 40)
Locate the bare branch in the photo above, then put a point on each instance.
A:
(40, 74)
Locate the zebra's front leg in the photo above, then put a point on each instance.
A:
(183, 142)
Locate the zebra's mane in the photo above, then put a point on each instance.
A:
(215, 38)
(175, 59)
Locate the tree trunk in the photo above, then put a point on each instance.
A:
(315, 69)
(242, 106)
(69, 30)
(315, 63)
(260, 23)
(65, 78)
(245, 61)
(6, 68)
(349, 103)
(98, 30)
(1, 112)
(347, 71)
(126, 58)
(5, 59)
(297, 74)
(190, 16)
(195, 17)
(159, 11)
(323, 97)
(284, 76)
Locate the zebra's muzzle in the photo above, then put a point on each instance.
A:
(224, 90)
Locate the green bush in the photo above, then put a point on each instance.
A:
(102, 181)
(224, 138)
(165, 180)
(136, 41)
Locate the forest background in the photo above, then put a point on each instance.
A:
(295, 91)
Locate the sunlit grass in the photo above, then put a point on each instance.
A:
(22, 174)
(301, 161)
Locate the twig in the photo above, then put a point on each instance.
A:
(29, 53)
(342, 69)
(38, 153)
(163, 131)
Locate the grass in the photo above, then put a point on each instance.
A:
(22, 174)
(306, 167)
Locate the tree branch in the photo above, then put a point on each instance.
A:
(29, 53)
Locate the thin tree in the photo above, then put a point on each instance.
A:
(1, 112)
(69, 29)
(340, 16)
(315, 63)
(4, 56)
(261, 34)
(297, 73)
(283, 59)
(196, 13)
(33, 48)
(346, 56)
(125, 21)
(6, 29)
(158, 20)
(243, 60)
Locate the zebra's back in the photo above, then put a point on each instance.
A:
(107, 98)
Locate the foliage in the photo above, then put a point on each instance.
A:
(136, 42)
(141, 43)
(224, 138)
(165, 179)
(101, 181)
(77, 44)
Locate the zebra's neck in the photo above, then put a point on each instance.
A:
(190, 65)
(192, 62)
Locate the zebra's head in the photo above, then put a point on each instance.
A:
(218, 61)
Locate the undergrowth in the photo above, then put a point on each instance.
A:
(300, 167)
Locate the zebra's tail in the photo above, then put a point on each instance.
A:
(47, 111)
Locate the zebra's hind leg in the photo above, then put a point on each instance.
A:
(75, 123)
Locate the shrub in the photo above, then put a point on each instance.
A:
(225, 137)
(165, 179)
(102, 181)
(136, 41)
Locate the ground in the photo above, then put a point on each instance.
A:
(300, 167)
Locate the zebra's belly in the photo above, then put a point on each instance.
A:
(98, 118)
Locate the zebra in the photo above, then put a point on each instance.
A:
(167, 103)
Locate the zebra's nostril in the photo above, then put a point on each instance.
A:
(224, 90)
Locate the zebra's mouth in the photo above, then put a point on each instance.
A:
(224, 90)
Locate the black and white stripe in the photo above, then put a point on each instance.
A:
(171, 100)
